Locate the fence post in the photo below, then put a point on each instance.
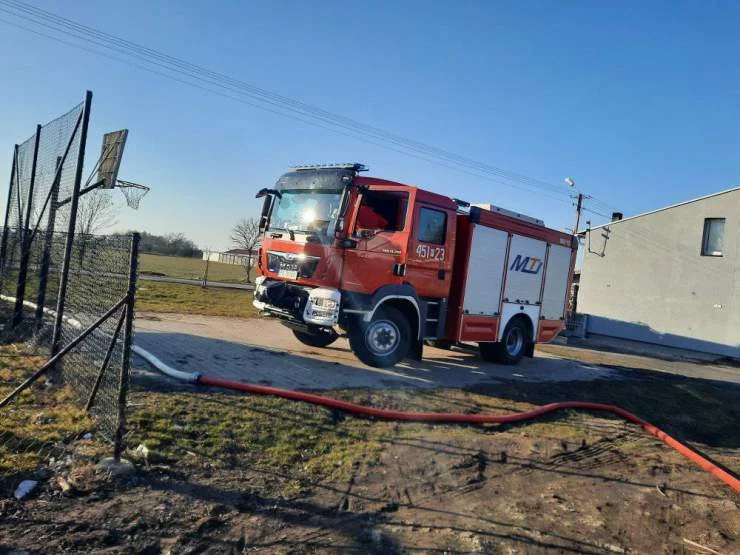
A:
(6, 228)
(205, 272)
(20, 292)
(48, 243)
(128, 330)
(4, 242)
(64, 274)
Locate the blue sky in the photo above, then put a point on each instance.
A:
(638, 101)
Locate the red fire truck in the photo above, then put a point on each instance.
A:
(392, 266)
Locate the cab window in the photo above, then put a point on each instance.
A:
(432, 226)
(382, 211)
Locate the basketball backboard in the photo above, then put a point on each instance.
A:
(110, 157)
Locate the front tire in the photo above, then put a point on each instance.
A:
(384, 341)
(320, 337)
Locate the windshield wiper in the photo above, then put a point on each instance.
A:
(291, 233)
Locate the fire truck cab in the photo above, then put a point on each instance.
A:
(392, 266)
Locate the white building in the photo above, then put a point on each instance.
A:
(671, 276)
(233, 256)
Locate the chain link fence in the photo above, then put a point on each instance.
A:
(46, 171)
(66, 305)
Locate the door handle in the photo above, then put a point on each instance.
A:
(399, 269)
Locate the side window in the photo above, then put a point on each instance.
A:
(713, 239)
(432, 226)
(382, 211)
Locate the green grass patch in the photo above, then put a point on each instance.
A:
(191, 268)
(233, 430)
(193, 299)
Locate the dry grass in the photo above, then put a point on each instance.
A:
(38, 422)
(193, 299)
(191, 268)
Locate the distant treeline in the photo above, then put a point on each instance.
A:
(172, 244)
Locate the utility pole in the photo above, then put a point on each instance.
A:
(579, 207)
(579, 204)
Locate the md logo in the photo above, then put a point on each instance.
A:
(526, 264)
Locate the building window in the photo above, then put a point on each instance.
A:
(432, 226)
(714, 232)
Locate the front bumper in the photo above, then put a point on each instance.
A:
(317, 306)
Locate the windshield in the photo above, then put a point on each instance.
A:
(307, 210)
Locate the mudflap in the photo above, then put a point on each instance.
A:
(529, 349)
(416, 351)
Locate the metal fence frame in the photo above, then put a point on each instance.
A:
(24, 234)
(52, 203)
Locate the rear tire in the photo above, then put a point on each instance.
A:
(513, 343)
(321, 337)
(512, 347)
(383, 341)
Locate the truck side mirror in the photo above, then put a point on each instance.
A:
(265, 215)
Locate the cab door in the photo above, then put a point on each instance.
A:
(381, 232)
(429, 258)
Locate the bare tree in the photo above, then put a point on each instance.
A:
(246, 235)
(96, 212)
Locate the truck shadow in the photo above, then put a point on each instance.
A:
(690, 408)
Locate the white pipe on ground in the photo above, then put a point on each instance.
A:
(191, 377)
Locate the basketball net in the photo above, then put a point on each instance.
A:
(133, 192)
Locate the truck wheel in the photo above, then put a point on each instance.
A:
(513, 342)
(383, 341)
(320, 337)
(512, 347)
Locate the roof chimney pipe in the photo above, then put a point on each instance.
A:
(616, 216)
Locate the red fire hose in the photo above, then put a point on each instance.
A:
(442, 417)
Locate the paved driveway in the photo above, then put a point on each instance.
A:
(265, 352)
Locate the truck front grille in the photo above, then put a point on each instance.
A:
(289, 264)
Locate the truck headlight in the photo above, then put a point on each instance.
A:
(325, 303)
(322, 306)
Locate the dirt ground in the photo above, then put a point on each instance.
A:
(224, 473)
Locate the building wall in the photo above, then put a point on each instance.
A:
(226, 258)
(652, 284)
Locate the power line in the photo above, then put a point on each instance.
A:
(595, 212)
(290, 116)
(262, 98)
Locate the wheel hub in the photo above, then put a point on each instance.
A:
(514, 341)
(382, 337)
